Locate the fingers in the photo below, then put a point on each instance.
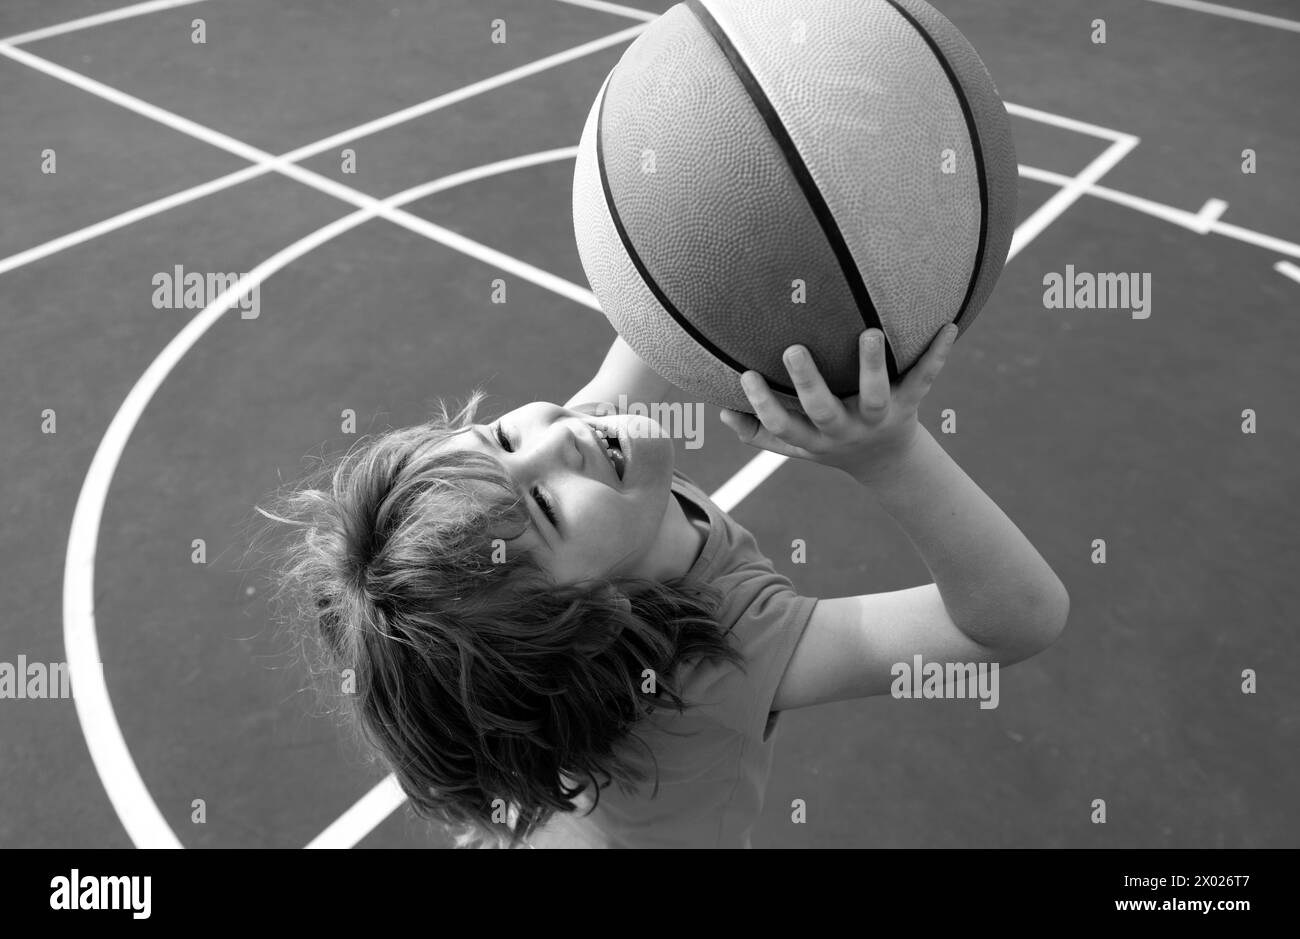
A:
(873, 377)
(927, 368)
(793, 429)
(823, 408)
(749, 430)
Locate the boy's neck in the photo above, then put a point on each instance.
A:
(681, 539)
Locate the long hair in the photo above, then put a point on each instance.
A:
(470, 673)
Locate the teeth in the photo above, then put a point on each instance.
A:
(616, 460)
(613, 452)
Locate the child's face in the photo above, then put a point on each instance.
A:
(603, 525)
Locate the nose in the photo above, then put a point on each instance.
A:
(559, 445)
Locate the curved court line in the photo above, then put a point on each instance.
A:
(126, 790)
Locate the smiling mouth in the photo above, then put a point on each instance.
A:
(613, 451)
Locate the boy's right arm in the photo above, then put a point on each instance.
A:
(994, 598)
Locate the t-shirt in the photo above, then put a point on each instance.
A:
(713, 760)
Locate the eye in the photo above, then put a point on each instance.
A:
(545, 504)
(547, 508)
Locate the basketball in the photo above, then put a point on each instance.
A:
(755, 175)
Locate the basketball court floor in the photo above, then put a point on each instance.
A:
(374, 285)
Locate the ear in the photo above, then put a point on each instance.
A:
(603, 632)
(619, 599)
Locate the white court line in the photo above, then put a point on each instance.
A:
(375, 806)
(262, 167)
(744, 481)
(167, 118)
(127, 792)
(616, 8)
(1253, 238)
(265, 162)
(1287, 269)
(121, 13)
(384, 209)
(1210, 213)
(122, 219)
(1065, 123)
(731, 493)
(1066, 196)
(361, 821)
(1041, 218)
(1204, 222)
(1167, 213)
(460, 94)
(280, 164)
(1233, 13)
(1192, 221)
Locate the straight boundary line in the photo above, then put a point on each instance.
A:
(129, 217)
(1233, 13)
(285, 164)
(1065, 123)
(1207, 221)
(98, 19)
(380, 802)
(263, 162)
(1192, 221)
(1069, 194)
(617, 9)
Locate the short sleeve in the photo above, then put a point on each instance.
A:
(769, 620)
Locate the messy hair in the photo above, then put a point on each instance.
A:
(475, 678)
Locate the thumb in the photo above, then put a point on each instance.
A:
(733, 419)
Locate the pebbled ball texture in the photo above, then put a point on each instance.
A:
(721, 229)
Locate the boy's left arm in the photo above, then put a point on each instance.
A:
(623, 373)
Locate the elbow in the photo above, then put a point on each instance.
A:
(1053, 615)
(1042, 622)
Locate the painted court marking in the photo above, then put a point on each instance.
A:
(268, 163)
(1210, 213)
(617, 9)
(1233, 13)
(126, 790)
(1203, 222)
(371, 809)
(111, 16)
(1069, 194)
(262, 166)
(129, 796)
